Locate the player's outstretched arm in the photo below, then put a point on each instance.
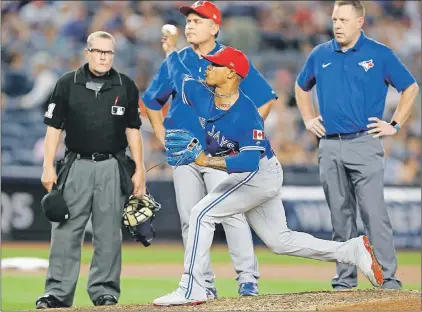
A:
(177, 71)
(193, 92)
(179, 74)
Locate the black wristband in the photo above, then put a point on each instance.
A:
(395, 125)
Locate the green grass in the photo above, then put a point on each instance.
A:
(20, 292)
(163, 254)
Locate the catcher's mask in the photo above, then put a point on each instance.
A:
(143, 233)
(138, 214)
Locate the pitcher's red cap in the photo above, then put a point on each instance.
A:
(204, 8)
(231, 58)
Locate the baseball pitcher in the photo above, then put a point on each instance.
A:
(192, 182)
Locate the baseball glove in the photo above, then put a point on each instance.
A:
(138, 214)
(182, 147)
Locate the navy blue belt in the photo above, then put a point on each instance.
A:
(265, 155)
(95, 156)
(345, 136)
(272, 154)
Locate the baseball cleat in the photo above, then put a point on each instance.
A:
(367, 263)
(342, 288)
(176, 297)
(211, 293)
(248, 289)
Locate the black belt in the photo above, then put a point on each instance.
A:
(95, 156)
(345, 136)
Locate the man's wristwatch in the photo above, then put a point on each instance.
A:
(395, 125)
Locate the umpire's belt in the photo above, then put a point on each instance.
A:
(95, 156)
(345, 136)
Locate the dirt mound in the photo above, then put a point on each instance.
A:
(355, 300)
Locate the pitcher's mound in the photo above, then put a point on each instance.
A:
(354, 300)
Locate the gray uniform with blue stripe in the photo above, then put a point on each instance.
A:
(191, 182)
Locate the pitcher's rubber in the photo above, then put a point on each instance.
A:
(376, 267)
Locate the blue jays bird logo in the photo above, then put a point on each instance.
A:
(367, 65)
(197, 4)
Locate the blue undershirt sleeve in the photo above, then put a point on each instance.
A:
(246, 161)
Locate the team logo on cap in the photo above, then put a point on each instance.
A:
(197, 4)
(220, 50)
(367, 65)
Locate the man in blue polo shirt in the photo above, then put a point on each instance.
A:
(352, 74)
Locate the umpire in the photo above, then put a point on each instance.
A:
(98, 109)
(352, 73)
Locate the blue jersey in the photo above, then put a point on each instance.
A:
(227, 132)
(352, 85)
(184, 116)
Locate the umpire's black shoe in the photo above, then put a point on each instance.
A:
(48, 302)
(104, 300)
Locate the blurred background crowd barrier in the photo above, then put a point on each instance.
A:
(42, 40)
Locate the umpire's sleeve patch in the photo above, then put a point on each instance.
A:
(50, 109)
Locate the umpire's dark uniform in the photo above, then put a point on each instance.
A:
(94, 112)
(352, 87)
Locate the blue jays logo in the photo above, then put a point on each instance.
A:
(219, 145)
(197, 4)
(223, 47)
(367, 65)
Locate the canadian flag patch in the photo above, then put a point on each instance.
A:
(258, 135)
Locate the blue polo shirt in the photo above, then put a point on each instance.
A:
(352, 85)
(183, 116)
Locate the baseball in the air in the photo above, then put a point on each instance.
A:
(168, 30)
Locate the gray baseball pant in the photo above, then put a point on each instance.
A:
(257, 195)
(192, 183)
(92, 189)
(352, 175)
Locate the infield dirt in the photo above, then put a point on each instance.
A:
(354, 300)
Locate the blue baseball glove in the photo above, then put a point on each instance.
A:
(182, 147)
